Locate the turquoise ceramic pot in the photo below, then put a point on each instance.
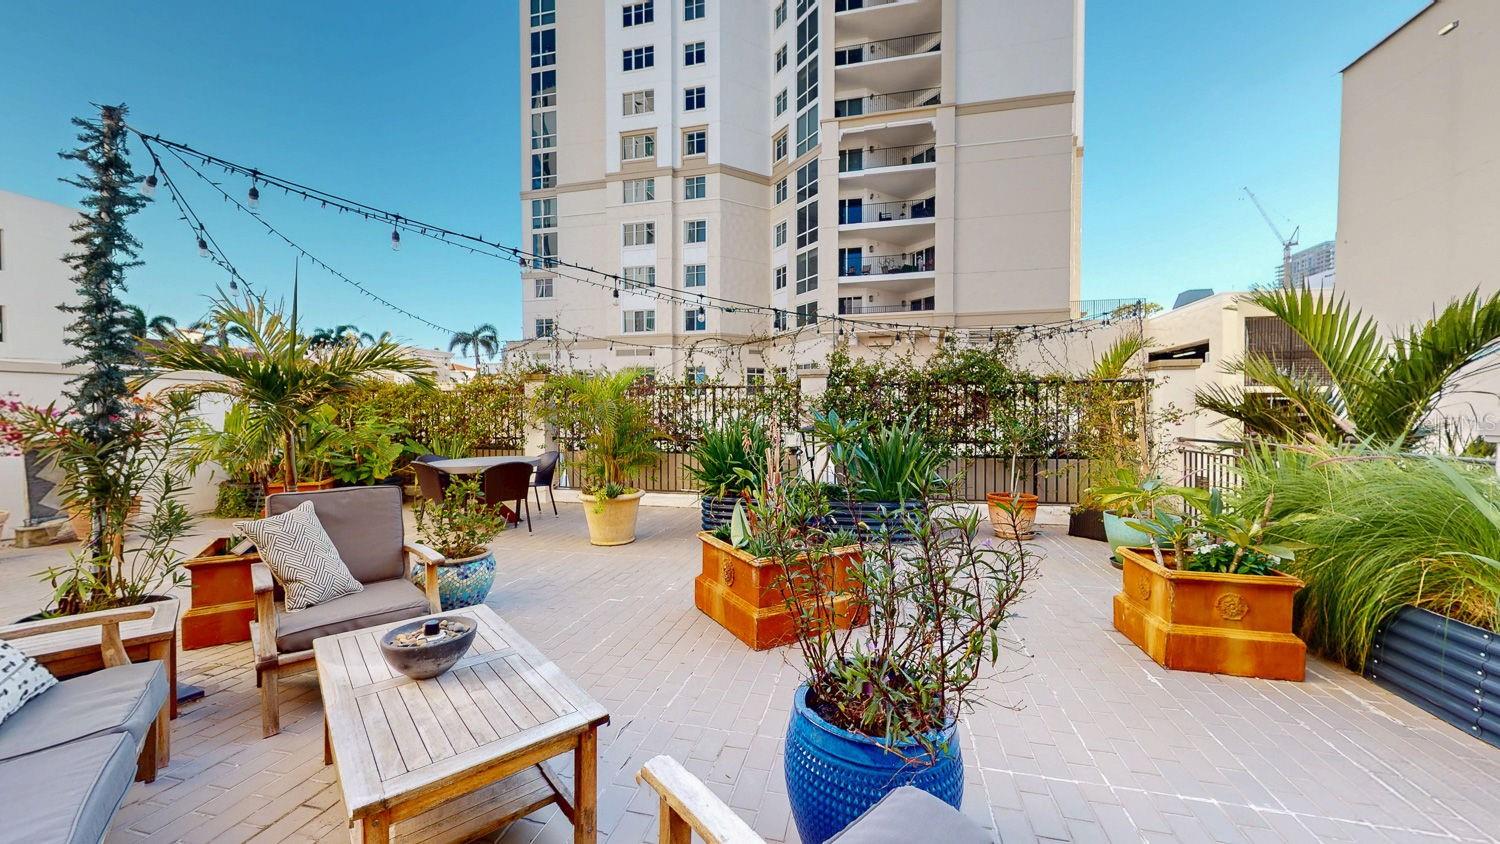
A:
(461, 583)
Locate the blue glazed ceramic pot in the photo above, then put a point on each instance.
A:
(833, 776)
(461, 583)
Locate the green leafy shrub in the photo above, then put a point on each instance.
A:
(462, 524)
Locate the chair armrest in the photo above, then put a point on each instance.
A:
(686, 802)
(264, 629)
(431, 559)
(261, 579)
(111, 645)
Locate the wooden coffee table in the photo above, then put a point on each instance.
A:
(464, 753)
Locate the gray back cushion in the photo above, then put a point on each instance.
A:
(364, 523)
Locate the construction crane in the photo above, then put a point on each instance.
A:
(1286, 242)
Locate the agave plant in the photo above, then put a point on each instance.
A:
(1377, 393)
(275, 376)
(730, 459)
(894, 463)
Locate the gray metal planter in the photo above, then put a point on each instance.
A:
(717, 511)
(1448, 668)
(875, 514)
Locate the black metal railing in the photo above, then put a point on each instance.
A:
(875, 103)
(887, 48)
(855, 160)
(907, 262)
(884, 212)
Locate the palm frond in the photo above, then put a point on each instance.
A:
(1116, 360)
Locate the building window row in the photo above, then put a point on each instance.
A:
(544, 327)
(807, 314)
(778, 278)
(633, 147)
(543, 170)
(543, 47)
(695, 142)
(639, 58)
(694, 53)
(780, 104)
(639, 278)
(543, 129)
(693, 10)
(638, 190)
(639, 102)
(543, 88)
(543, 12)
(638, 234)
(635, 14)
(694, 319)
(695, 275)
(807, 271)
(695, 187)
(694, 98)
(637, 321)
(542, 287)
(695, 231)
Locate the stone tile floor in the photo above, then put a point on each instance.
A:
(1082, 738)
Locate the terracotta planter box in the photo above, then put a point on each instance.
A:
(1234, 624)
(302, 486)
(223, 602)
(743, 594)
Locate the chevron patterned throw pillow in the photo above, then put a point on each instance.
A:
(302, 557)
(21, 679)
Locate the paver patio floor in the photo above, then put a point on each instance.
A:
(1102, 744)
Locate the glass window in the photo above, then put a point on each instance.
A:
(778, 147)
(639, 278)
(635, 14)
(635, 322)
(694, 319)
(695, 142)
(807, 314)
(695, 275)
(807, 181)
(639, 190)
(778, 278)
(694, 53)
(807, 38)
(698, 374)
(778, 320)
(544, 213)
(639, 58)
(807, 224)
(780, 14)
(543, 12)
(780, 191)
(756, 375)
(781, 102)
(695, 187)
(781, 57)
(778, 234)
(544, 249)
(545, 327)
(695, 231)
(638, 234)
(543, 88)
(543, 287)
(543, 129)
(807, 83)
(637, 146)
(543, 47)
(694, 9)
(807, 271)
(543, 170)
(807, 129)
(639, 102)
(694, 98)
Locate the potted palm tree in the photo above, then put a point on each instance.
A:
(618, 440)
(275, 375)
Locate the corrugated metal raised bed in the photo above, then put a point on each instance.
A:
(1448, 668)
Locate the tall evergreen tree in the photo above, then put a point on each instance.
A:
(105, 250)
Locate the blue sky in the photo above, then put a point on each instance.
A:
(416, 111)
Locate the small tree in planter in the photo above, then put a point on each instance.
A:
(460, 527)
(880, 708)
(1013, 512)
(619, 440)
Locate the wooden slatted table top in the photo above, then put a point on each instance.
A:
(396, 739)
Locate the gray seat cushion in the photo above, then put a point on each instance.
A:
(381, 602)
(364, 523)
(124, 699)
(911, 814)
(67, 794)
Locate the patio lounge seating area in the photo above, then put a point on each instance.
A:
(1104, 744)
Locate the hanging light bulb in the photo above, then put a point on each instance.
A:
(149, 187)
(233, 285)
(254, 191)
(395, 240)
(202, 248)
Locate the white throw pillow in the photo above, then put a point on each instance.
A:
(21, 679)
(302, 557)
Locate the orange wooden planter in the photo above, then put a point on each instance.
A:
(741, 592)
(302, 486)
(223, 602)
(1236, 624)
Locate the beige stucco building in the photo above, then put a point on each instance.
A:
(1419, 175)
(912, 163)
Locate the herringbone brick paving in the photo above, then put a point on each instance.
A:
(1082, 737)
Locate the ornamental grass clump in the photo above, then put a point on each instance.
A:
(1380, 531)
(937, 604)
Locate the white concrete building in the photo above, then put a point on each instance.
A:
(1419, 175)
(915, 162)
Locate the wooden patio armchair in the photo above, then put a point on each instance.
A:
(367, 530)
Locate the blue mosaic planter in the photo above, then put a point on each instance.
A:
(833, 776)
(461, 583)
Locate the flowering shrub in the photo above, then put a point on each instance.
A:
(11, 434)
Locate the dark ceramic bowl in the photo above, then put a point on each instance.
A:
(426, 661)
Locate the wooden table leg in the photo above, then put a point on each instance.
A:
(585, 787)
(164, 651)
(374, 829)
(327, 743)
(672, 827)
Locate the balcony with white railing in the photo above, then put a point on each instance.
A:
(903, 224)
(869, 20)
(852, 104)
(908, 170)
(904, 63)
